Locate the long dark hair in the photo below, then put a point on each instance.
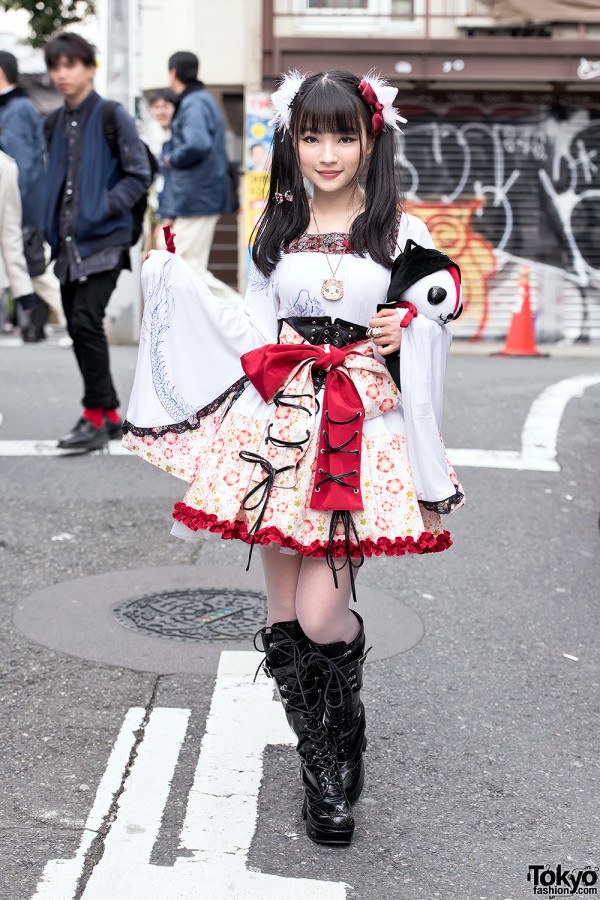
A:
(329, 102)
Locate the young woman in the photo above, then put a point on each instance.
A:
(285, 421)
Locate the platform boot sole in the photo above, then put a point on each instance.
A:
(319, 835)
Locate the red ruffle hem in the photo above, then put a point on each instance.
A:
(197, 520)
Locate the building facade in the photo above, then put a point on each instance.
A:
(501, 154)
(227, 38)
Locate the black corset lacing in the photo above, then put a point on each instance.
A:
(317, 330)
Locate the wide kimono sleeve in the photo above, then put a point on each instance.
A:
(423, 356)
(191, 342)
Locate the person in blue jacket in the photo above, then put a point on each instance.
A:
(22, 138)
(197, 190)
(89, 224)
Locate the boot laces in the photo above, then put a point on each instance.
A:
(322, 755)
(337, 685)
(282, 644)
(298, 700)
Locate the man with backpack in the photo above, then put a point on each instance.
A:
(98, 175)
(198, 189)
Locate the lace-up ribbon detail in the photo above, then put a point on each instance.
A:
(337, 481)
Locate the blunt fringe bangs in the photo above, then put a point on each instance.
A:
(332, 105)
(329, 103)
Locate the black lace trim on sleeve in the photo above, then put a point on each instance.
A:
(194, 421)
(443, 507)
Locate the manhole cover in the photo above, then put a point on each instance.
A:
(202, 614)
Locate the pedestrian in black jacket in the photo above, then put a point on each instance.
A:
(89, 224)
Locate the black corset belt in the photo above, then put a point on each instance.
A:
(322, 330)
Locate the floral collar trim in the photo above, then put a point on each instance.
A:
(334, 242)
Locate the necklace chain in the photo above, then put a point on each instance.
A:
(332, 288)
(326, 255)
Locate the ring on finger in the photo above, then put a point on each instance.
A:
(374, 332)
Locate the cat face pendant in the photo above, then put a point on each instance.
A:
(332, 289)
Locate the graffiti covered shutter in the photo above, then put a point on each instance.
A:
(506, 186)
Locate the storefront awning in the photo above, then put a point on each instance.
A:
(519, 12)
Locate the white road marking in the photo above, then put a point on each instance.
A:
(61, 875)
(538, 437)
(222, 806)
(49, 448)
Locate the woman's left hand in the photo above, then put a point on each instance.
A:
(388, 321)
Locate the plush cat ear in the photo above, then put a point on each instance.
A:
(284, 97)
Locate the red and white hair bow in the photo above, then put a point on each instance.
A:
(375, 91)
(380, 96)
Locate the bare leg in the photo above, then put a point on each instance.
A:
(321, 608)
(281, 577)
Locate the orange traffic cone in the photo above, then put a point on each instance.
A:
(520, 340)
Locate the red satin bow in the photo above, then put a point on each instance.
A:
(370, 96)
(337, 477)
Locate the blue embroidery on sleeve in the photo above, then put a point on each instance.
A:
(159, 309)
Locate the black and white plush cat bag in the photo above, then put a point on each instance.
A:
(425, 290)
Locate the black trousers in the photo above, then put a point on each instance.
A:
(84, 303)
(39, 317)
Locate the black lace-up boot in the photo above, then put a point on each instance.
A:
(289, 661)
(342, 675)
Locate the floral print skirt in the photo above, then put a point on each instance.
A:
(227, 454)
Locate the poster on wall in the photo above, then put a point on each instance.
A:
(258, 135)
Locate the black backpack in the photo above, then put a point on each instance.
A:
(109, 128)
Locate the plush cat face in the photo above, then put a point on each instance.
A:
(437, 296)
(427, 279)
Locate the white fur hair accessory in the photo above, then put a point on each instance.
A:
(284, 97)
(380, 96)
(375, 91)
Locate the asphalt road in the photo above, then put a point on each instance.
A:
(483, 754)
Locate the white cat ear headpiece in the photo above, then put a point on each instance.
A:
(380, 96)
(284, 97)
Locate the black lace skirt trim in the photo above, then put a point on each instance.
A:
(233, 392)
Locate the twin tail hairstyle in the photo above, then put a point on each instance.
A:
(331, 102)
